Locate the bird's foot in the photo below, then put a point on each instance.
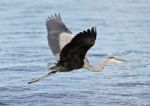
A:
(34, 80)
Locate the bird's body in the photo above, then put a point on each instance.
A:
(70, 50)
(73, 54)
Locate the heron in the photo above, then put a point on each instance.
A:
(69, 50)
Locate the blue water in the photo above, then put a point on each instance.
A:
(123, 28)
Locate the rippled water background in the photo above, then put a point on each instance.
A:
(123, 29)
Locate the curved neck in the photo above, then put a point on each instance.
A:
(88, 66)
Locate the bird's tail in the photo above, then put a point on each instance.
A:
(54, 66)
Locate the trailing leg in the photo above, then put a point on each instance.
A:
(40, 78)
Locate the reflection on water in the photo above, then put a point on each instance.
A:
(123, 30)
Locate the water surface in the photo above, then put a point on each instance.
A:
(123, 29)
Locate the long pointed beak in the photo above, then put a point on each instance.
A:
(115, 59)
(123, 61)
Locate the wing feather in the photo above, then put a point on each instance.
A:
(73, 54)
(56, 37)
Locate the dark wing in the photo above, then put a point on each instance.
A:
(55, 26)
(73, 54)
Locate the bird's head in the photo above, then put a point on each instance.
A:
(114, 59)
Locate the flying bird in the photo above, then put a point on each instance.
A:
(70, 51)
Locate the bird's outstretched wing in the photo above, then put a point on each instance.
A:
(73, 54)
(58, 34)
